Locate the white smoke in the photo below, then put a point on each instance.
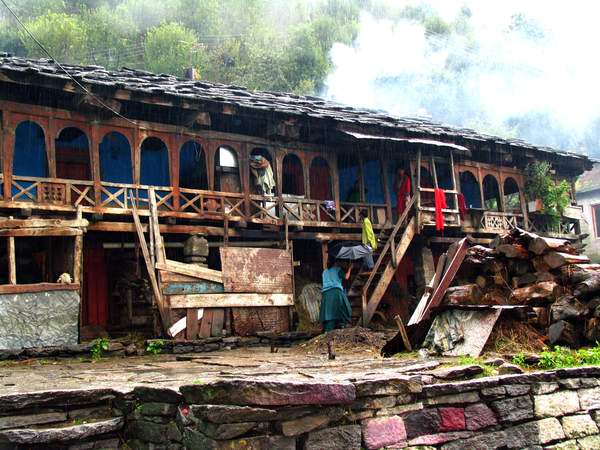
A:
(399, 69)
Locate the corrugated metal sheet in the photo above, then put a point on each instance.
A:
(260, 270)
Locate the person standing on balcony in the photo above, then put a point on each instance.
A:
(402, 190)
(368, 238)
(335, 307)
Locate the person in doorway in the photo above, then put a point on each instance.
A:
(354, 193)
(402, 190)
(335, 307)
(368, 238)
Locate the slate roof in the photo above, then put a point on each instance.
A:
(141, 81)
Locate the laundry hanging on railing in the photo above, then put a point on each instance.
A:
(440, 204)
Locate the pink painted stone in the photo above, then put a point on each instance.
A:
(453, 419)
(435, 439)
(382, 431)
(479, 416)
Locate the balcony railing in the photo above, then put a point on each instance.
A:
(202, 204)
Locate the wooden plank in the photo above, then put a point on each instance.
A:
(402, 331)
(431, 287)
(205, 287)
(12, 262)
(44, 223)
(206, 324)
(158, 242)
(181, 324)
(164, 310)
(78, 254)
(390, 270)
(192, 324)
(172, 277)
(449, 274)
(20, 232)
(230, 300)
(262, 270)
(38, 287)
(217, 322)
(191, 270)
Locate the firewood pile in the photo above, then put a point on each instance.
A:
(547, 274)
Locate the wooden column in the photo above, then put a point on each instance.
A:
(12, 265)
(95, 162)
(78, 255)
(417, 192)
(8, 146)
(335, 181)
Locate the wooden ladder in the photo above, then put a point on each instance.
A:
(370, 290)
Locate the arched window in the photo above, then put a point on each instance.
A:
(262, 175)
(491, 194)
(72, 155)
(154, 163)
(227, 171)
(29, 159)
(469, 188)
(115, 163)
(292, 177)
(115, 159)
(512, 197)
(192, 166)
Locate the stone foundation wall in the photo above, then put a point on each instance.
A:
(546, 410)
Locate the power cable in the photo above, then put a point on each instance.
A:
(65, 70)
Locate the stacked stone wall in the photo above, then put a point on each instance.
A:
(554, 410)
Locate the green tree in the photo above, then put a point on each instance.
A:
(306, 64)
(62, 35)
(111, 34)
(165, 53)
(29, 10)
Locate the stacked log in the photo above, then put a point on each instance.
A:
(547, 274)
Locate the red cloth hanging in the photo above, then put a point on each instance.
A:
(440, 203)
(462, 207)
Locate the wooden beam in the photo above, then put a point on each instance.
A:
(38, 287)
(43, 223)
(232, 300)
(164, 310)
(192, 324)
(191, 270)
(41, 232)
(12, 262)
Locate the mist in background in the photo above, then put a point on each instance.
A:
(520, 70)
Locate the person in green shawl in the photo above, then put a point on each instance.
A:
(334, 303)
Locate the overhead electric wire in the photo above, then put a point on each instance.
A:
(65, 70)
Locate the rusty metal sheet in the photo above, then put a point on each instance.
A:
(248, 321)
(257, 270)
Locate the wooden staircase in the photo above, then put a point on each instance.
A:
(366, 291)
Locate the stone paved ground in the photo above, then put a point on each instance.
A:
(170, 371)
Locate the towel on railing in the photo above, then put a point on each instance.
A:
(440, 203)
(462, 207)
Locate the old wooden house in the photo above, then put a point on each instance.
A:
(167, 199)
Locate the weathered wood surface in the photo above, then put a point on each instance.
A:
(564, 333)
(463, 295)
(540, 292)
(543, 245)
(12, 261)
(192, 326)
(230, 300)
(579, 272)
(19, 232)
(172, 277)
(527, 278)
(191, 270)
(588, 286)
(556, 260)
(514, 251)
(43, 223)
(259, 270)
(38, 287)
(204, 287)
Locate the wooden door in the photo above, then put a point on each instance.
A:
(94, 300)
